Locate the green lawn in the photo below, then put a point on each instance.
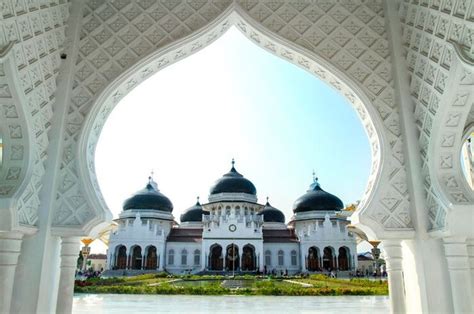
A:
(240, 285)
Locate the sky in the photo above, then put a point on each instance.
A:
(232, 100)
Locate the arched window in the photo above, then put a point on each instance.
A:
(281, 258)
(170, 257)
(184, 257)
(293, 258)
(197, 257)
(268, 258)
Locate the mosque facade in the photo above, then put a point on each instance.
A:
(232, 232)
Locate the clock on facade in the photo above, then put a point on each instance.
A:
(232, 228)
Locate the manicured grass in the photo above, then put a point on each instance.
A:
(250, 285)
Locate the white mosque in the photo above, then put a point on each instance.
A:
(232, 232)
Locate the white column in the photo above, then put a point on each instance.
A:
(455, 250)
(303, 260)
(162, 257)
(69, 254)
(470, 252)
(393, 259)
(10, 246)
(261, 261)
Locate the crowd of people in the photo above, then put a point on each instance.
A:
(88, 273)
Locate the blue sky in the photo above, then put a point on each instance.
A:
(232, 100)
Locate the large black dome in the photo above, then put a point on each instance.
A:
(271, 214)
(317, 199)
(149, 198)
(233, 182)
(194, 213)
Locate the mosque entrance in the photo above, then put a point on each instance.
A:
(216, 257)
(136, 258)
(328, 259)
(151, 261)
(313, 259)
(248, 258)
(232, 257)
(343, 260)
(121, 260)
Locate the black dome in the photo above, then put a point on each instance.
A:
(271, 214)
(149, 198)
(233, 182)
(317, 199)
(194, 213)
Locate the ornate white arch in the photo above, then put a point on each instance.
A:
(456, 198)
(18, 150)
(385, 205)
(437, 53)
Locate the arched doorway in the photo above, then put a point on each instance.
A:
(121, 257)
(328, 258)
(248, 258)
(313, 259)
(215, 258)
(136, 258)
(343, 258)
(151, 261)
(232, 257)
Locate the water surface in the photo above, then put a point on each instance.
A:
(127, 303)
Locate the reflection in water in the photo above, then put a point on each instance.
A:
(115, 303)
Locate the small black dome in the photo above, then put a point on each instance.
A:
(149, 198)
(271, 214)
(317, 199)
(233, 182)
(194, 213)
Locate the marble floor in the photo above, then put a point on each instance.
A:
(119, 303)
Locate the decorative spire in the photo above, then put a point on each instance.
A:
(315, 178)
(315, 185)
(233, 168)
(197, 201)
(152, 182)
(267, 204)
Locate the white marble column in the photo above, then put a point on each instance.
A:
(69, 254)
(455, 250)
(303, 261)
(470, 252)
(393, 259)
(10, 246)
(162, 257)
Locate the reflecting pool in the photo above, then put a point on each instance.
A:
(121, 303)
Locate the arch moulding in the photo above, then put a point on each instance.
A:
(384, 210)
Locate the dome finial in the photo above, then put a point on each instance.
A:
(151, 181)
(315, 184)
(197, 200)
(233, 168)
(315, 178)
(150, 177)
(267, 204)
